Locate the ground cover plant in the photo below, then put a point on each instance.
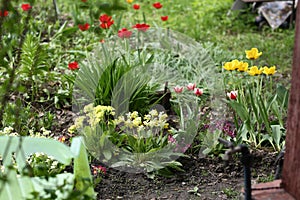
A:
(137, 93)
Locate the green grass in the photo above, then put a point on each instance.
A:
(207, 21)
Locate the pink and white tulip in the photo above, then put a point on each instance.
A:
(191, 86)
(232, 95)
(178, 89)
(198, 92)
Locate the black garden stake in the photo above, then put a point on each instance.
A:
(246, 161)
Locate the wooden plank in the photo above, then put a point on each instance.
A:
(291, 166)
(262, 191)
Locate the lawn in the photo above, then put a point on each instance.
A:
(127, 99)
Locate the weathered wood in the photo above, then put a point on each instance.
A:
(262, 191)
(291, 167)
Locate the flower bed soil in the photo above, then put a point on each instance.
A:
(215, 179)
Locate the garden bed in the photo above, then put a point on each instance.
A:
(207, 178)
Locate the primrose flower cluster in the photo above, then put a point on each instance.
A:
(93, 116)
(241, 66)
(154, 121)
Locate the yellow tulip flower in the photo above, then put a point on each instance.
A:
(243, 66)
(269, 71)
(253, 71)
(129, 1)
(230, 66)
(253, 54)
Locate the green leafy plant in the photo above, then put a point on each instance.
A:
(13, 186)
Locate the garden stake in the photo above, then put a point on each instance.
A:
(246, 161)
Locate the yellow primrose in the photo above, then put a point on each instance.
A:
(129, 1)
(253, 54)
(134, 115)
(269, 71)
(243, 66)
(153, 113)
(137, 122)
(253, 71)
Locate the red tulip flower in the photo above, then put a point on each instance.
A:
(164, 18)
(232, 95)
(4, 14)
(191, 86)
(73, 66)
(157, 5)
(142, 27)
(136, 6)
(178, 89)
(198, 92)
(124, 33)
(84, 1)
(106, 21)
(84, 27)
(26, 7)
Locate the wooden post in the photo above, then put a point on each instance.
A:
(291, 166)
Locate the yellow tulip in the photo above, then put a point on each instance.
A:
(253, 71)
(253, 54)
(243, 66)
(269, 71)
(230, 66)
(129, 1)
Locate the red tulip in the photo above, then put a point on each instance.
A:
(157, 5)
(124, 33)
(73, 66)
(164, 18)
(142, 27)
(84, 27)
(106, 21)
(5, 13)
(136, 6)
(26, 7)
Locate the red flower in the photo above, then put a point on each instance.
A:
(106, 21)
(198, 92)
(232, 95)
(164, 18)
(102, 40)
(84, 0)
(124, 33)
(84, 27)
(136, 6)
(26, 7)
(157, 5)
(5, 13)
(142, 27)
(73, 66)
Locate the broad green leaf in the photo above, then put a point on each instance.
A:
(81, 167)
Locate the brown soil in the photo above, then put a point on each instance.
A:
(214, 178)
